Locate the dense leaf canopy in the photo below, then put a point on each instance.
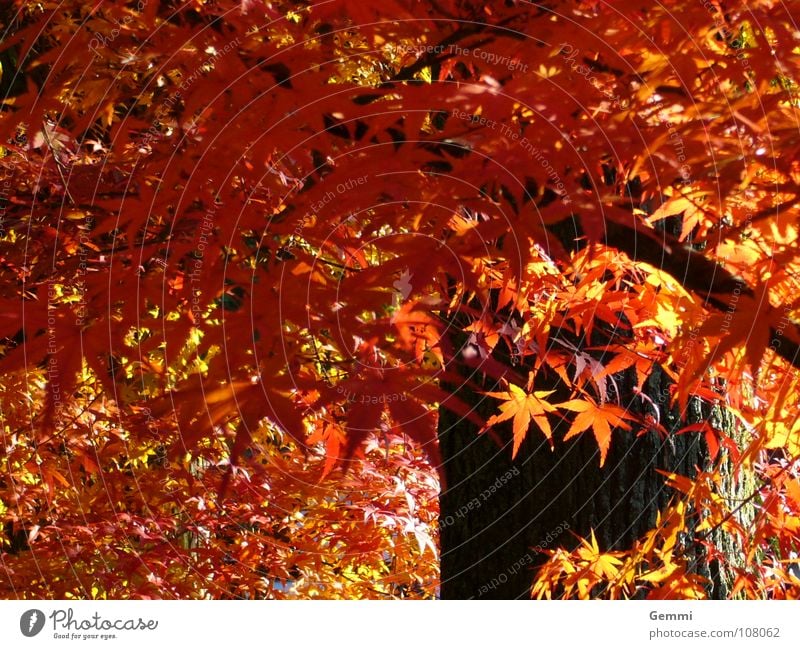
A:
(238, 240)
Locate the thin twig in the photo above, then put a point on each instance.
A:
(58, 163)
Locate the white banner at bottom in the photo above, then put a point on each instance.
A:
(398, 624)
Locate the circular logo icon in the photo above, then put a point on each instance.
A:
(31, 622)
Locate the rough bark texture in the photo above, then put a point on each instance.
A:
(496, 513)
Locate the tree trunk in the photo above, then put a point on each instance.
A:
(498, 515)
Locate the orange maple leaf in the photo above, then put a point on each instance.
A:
(334, 439)
(600, 417)
(602, 564)
(523, 407)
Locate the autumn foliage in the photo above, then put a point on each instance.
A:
(243, 245)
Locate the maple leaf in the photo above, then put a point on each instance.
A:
(681, 586)
(631, 356)
(334, 440)
(689, 208)
(602, 564)
(601, 418)
(523, 407)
